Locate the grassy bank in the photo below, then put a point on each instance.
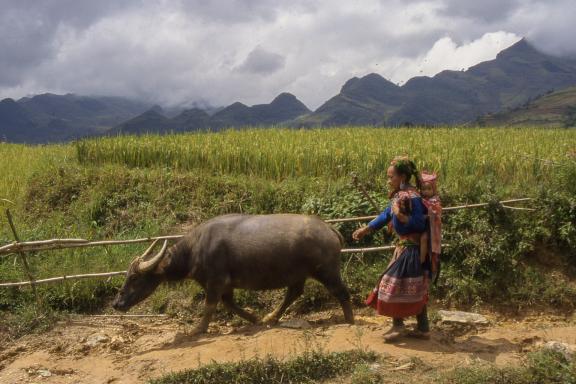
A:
(130, 187)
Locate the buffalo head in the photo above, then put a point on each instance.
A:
(141, 279)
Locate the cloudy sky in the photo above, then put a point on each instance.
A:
(174, 52)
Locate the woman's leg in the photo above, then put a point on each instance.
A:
(397, 322)
(424, 247)
(422, 330)
(396, 331)
(422, 321)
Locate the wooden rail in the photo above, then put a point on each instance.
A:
(45, 245)
(446, 209)
(109, 274)
(20, 247)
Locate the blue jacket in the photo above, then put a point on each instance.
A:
(416, 223)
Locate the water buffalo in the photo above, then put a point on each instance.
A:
(255, 252)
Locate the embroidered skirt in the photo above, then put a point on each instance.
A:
(403, 288)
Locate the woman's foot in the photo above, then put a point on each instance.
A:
(418, 334)
(394, 333)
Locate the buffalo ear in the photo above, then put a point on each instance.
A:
(162, 265)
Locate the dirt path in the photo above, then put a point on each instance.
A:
(121, 350)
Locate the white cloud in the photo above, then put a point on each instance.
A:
(447, 54)
(174, 52)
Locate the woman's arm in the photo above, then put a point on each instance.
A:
(382, 219)
(374, 225)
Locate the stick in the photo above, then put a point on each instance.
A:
(455, 208)
(348, 219)
(484, 204)
(361, 188)
(129, 315)
(518, 208)
(107, 274)
(42, 245)
(367, 250)
(22, 255)
(62, 278)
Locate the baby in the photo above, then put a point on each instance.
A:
(431, 240)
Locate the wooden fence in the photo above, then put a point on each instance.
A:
(21, 248)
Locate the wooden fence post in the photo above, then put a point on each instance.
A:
(22, 255)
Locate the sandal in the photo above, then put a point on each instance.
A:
(418, 334)
(394, 334)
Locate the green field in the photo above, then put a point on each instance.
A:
(465, 158)
(125, 187)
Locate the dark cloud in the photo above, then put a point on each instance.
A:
(486, 11)
(181, 51)
(29, 30)
(231, 11)
(260, 61)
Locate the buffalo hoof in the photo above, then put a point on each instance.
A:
(270, 319)
(182, 337)
(197, 331)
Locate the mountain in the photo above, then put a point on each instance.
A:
(55, 118)
(363, 100)
(16, 124)
(155, 121)
(284, 108)
(511, 84)
(190, 120)
(554, 109)
(151, 121)
(518, 74)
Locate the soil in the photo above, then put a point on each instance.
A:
(133, 350)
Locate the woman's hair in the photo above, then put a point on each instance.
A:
(404, 166)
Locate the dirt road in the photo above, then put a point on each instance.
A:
(123, 350)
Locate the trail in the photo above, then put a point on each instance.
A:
(122, 350)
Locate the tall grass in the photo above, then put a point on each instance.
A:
(19, 162)
(465, 158)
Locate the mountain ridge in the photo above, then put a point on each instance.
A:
(518, 74)
(283, 108)
(553, 109)
(48, 117)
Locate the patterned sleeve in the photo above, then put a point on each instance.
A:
(382, 219)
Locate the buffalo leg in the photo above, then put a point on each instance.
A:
(293, 292)
(213, 296)
(228, 301)
(333, 282)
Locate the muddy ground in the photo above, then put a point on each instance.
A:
(131, 350)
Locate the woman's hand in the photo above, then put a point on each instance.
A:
(402, 217)
(361, 232)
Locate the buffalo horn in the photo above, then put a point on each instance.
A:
(145, 266)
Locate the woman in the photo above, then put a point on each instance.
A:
(403, 287)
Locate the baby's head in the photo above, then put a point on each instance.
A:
(427, 190)
(428, 185)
